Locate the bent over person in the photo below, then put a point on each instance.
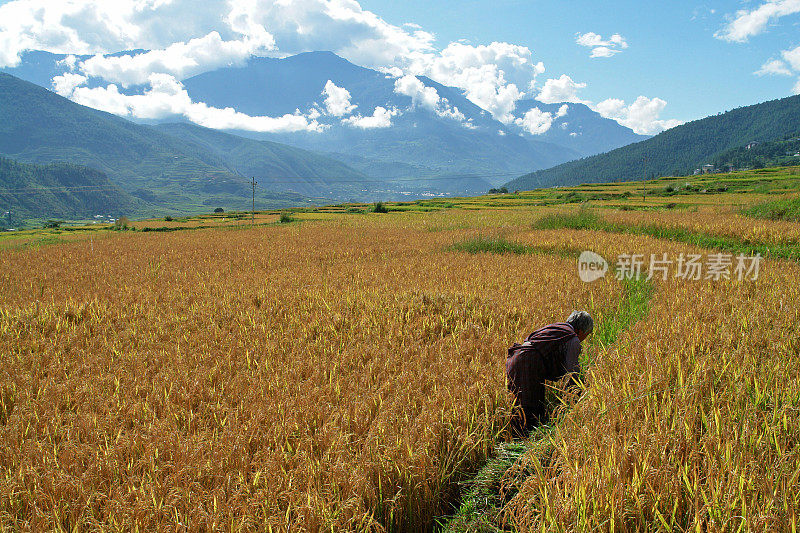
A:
(548, 353)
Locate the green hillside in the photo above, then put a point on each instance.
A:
(677, 151)
(40, 126)
(178, 175)
(58, 190)
(782, 152)
(278, 166)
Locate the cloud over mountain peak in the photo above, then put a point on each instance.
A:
(184, 38)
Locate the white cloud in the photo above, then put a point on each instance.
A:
(492, 76)
(775, 67)
(67, 82)
(788, 66)
(562, 89)
(185, 38)
(535, 121)
(69, 62)
(793, 58)
(188, 37)
(747, 23)
(592, 40)
(452, 112)
(642, 116)
(105, 99)
(426, 97)
(166, 97)
(602, 47)
(180, 60)
(341, 26)
(603, 51)
(611, 108)
(420, 94)
(230, 119)
(391, 72)
(98, 26)
(381, 118)
(337, 100)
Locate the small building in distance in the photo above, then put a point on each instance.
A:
(751, 144)
(707, 169)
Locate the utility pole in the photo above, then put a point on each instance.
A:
(644, 182)
(253, 219)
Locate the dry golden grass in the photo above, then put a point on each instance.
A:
(312, 377)
(208, 221)
(713, 222)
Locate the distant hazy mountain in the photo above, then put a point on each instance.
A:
(677, 151)
(172, 170)
(277, 166)
(579, 128)
(459, 143)
(58, 190)
(419, 136)
(276, 86)
(39, 67)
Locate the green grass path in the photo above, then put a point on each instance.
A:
(482, 500)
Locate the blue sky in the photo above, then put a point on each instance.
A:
(672, 51)
(648, 65)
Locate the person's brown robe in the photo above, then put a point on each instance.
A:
(547, 354)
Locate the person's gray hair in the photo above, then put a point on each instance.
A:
(581, 322)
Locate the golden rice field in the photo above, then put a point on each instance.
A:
(346, 372)
(690, 423)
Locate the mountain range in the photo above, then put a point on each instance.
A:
(177, 168)
(434, 141)
(452, 137)
(677, 151)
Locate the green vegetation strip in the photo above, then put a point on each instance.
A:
(500, 245)
(609, 326)
(34, 242)
(486, 494)
(587, 220)
(776, 210)
(167, 229)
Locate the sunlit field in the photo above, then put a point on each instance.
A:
(344, 371)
